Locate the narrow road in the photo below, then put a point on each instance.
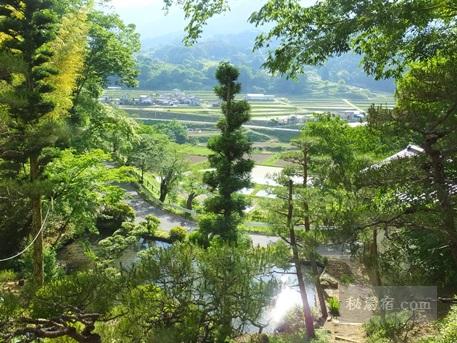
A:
(143, 208)
(353, 106)
(169, 220)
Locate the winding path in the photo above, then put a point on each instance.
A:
(143, 208)
(169, 220)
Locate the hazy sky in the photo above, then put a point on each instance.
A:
(151, 20)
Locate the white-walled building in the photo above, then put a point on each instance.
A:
(260, 97)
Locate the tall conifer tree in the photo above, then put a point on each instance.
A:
(231, 167)
(28, 27)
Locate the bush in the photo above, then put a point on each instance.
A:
(334, 306)
(394, 327)
(112, 217)
(197, 238)
(52, 269)
(347, 279)
(151, 224)
(300, 337)
(293, 321)
(178, 234)
(447, 329)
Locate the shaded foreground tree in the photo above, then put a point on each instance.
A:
(284, 216)
(296, 258)
(421, 189)
(174, 294)
(301, 160)
(232, 168)
(67, 307)
(35, 92)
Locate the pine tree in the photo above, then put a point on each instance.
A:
(231, 167)
(34, 95)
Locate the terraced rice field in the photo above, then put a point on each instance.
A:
(282, 106)
(201, 119)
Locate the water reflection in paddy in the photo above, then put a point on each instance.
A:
(287, 299)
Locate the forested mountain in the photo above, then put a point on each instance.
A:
(172, 65)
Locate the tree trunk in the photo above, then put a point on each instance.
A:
(317, 281)
(454, 250)
(190, 199)
(375, 258)
(163, 191)
(442, 189)
(309, 323)
(37, 261)
(319, 289)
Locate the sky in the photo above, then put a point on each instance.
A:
(152, 21)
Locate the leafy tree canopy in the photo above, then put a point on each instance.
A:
(387, 34)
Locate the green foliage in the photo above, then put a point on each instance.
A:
(112, 46)
(151, 224)
(178, 234)
(201, 298)
(173, 66)
(52, 269)
(293, 330)
(83, 190)
(334, 306)
(232, 169)
(15, 220)
(193, 186)
(75, 301)
(27, 31)
(110, 58)
(170, 168)
(198, 12)
(128, 235)
(299, 337)
(426, 115)
(175, 130)
(112, 217)
(183, 293)
(301, 35)
(354, 26)
(152, 151)
(147, 151)
(346, 279)
(447, 329)
(7, 275)
(394, 327)
(108, 129)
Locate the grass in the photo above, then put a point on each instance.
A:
(189, 149)
(7, 276)
(334, 306)
(272, 161)
(261, 230)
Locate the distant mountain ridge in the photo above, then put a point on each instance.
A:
(167, 64)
